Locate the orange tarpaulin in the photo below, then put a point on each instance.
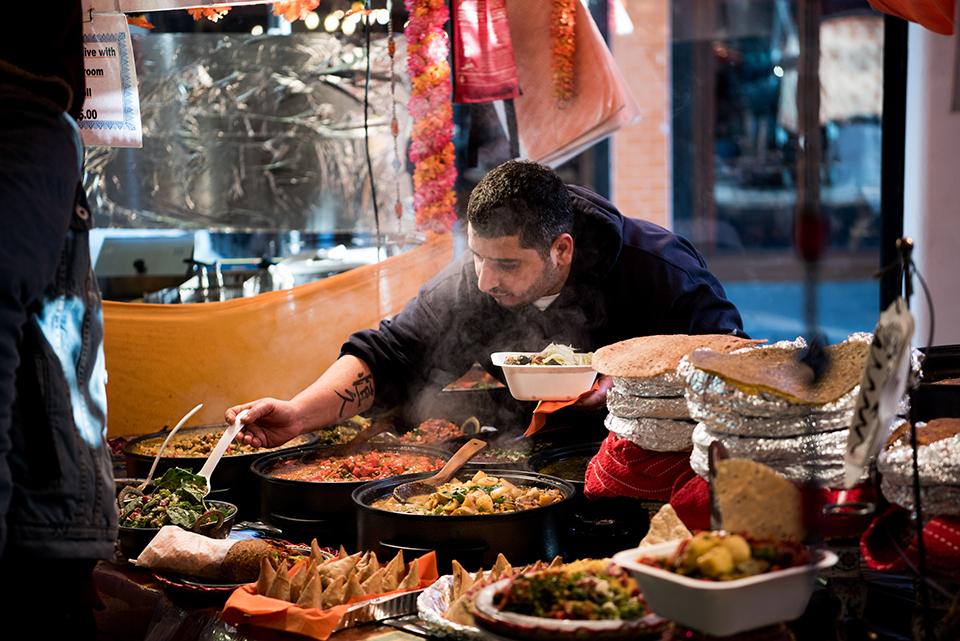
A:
(935, 15)
(164, 359)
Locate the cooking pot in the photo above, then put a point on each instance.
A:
(231, 482)
(309, 509)
(599, 527)
(474, 540)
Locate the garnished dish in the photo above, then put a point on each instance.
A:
(590, 590)
(177, 499)
(552, 354)
(718, 556)
(482, 494)
(432, 431)
(365, 466)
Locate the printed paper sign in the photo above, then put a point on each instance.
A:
(110, 116)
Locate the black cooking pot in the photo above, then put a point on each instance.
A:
(599, 527)
(231, 482)
(565, 462)
(495, 441)
(305, 510)
(474, 541)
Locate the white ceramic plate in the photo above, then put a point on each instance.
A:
(522, 626)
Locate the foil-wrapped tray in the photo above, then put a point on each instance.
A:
(380, 609)
(938, 463)
(657, 434)
(816, 458)
(631, 406)
(433, 602)
(938, 500)
(665, 386)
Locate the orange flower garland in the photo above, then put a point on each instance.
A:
(213, 14)
(291, 10)
(294, 10)
(431, 144)
(562, 29)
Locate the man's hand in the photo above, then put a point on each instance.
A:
(597, 399)
(269, 422)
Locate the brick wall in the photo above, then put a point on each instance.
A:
(641, 152)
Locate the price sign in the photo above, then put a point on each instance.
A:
(111, 109)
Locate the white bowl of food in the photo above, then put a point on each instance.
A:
(729, 605)
(557, 373)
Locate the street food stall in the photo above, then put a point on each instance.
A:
(734, 488)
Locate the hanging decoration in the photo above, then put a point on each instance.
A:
(291, 10)
(430, 106)
(394, 122)
(213, 14)
(562, 31)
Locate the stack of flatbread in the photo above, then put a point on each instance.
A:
(761, 404)
(323, 583)
(938, 464)
(646, 404)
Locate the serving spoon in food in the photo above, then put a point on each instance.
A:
(137, 490)
(405, 491)
(220, 448)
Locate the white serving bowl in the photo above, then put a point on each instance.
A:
(723, 608)
(544, 382)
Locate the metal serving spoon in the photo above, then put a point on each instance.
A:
(405, 491)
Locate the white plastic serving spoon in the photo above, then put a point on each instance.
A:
(218, 450)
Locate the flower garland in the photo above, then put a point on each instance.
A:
(430, 106)
(562, 30)
(213, 14)
(291, 10)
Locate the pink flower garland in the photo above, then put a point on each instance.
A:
(431, 147)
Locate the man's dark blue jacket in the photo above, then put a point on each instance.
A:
(629, 278)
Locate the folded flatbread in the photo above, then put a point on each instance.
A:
(777, 370)
(652, 356)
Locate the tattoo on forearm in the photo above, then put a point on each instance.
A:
(356, 394)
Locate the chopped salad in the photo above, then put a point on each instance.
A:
(591, 590)
(552, 354)
(177, 499)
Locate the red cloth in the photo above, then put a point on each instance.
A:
(935, 15)
(484, 68)
(621, 468)
(691, 502)
(890, 542)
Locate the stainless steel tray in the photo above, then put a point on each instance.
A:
(380, 609)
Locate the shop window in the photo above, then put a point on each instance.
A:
(734, 145)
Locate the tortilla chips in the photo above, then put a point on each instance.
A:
(755, 500)
(665, 526)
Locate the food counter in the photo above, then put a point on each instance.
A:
(514, 552)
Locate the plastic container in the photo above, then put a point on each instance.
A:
(544, 382)
(724, 608)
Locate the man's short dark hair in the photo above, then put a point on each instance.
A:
(521, 198)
